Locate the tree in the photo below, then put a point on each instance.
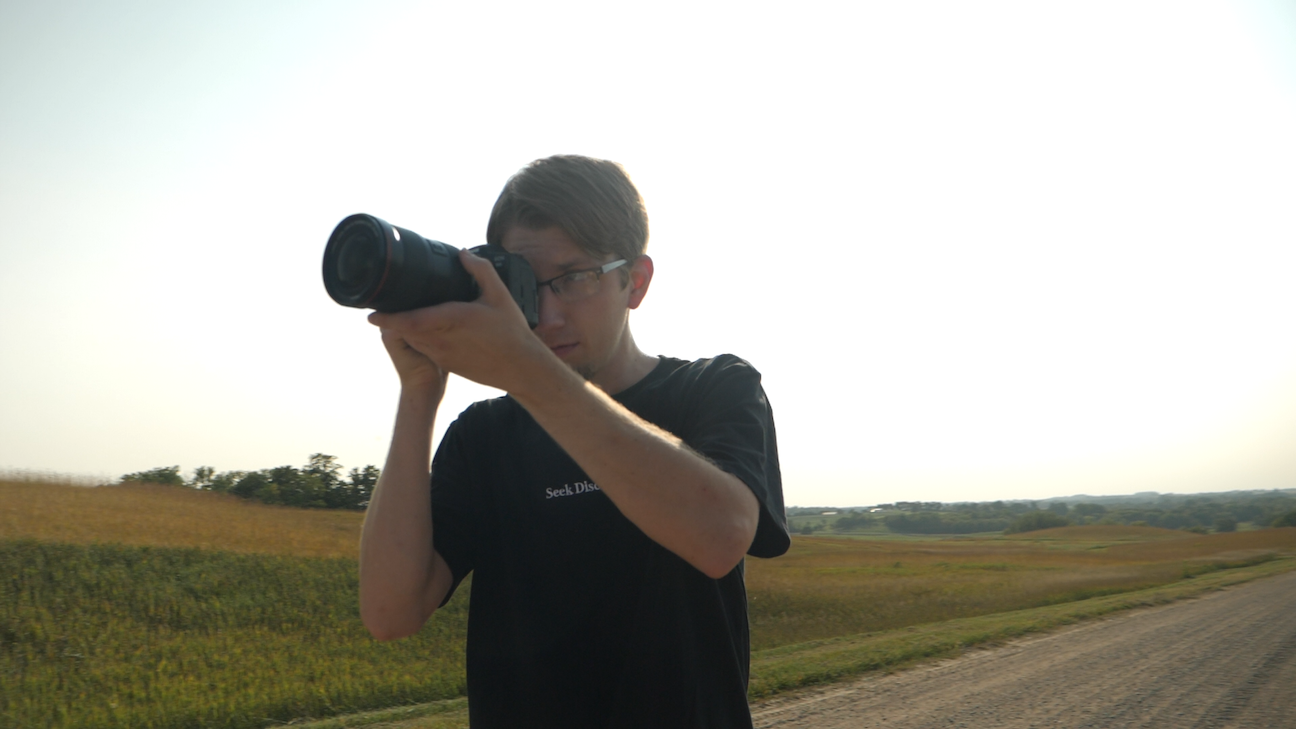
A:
(296, 488)
(852, 522)
(360, 486)
(928, 523)
(1226, 524)
(325, 468)
(224, 482)
(1286, 520)
(318, 485)
(202, 478)
(254, 485)
(167, 476)
(1035, 520)
(1089, 509)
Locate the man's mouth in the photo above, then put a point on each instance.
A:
(562, 350)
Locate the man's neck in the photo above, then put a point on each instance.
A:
(628, 367)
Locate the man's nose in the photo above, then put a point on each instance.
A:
(551, 313)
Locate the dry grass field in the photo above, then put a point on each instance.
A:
(170, 516)
(125, 606)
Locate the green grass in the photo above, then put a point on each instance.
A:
(117, 636)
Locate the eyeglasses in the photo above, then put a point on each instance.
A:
(577, 285)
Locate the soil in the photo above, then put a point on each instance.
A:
(1224, 660)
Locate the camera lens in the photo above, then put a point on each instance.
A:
(371, 264)
(356, 260)
(358, 256)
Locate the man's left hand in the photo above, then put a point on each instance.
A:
(486, 341)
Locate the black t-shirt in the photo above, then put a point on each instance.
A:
(577, 619)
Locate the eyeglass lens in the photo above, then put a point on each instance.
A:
(577, 285)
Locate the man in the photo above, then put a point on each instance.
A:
(603, 506)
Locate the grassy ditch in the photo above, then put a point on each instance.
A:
(825, 661)
(825, 587)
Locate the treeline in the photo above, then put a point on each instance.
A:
(1221, 512)
(935, 523)
(317, 485)
(1201, 513)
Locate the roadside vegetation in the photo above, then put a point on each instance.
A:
(825, 587)
(155, 606)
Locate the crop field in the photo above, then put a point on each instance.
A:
(163, 607)
(167, 516)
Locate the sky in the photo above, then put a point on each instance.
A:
(979, 251)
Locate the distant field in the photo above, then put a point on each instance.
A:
(163, 607)
(170, 516)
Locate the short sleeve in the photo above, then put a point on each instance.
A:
(734, 428)
(455, 511)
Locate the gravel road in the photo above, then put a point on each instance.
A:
(1224, 660)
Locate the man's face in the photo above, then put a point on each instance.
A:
(590, 334)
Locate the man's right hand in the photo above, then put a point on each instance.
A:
(416, 370)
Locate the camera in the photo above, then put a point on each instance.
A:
(372, 264)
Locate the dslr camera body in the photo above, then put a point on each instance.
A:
(372, 264)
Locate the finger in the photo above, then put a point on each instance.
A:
(492, 287)
(393, 320)
(441, 316)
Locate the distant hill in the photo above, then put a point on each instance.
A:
(171, 516)
(1155, 498)
(1213, 512)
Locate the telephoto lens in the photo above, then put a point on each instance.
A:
(372, 264)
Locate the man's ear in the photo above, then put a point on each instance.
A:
(641, 273)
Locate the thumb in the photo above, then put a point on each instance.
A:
(492, 287)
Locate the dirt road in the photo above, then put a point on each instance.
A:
(1225, 660)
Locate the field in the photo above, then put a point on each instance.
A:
(163, 607)
(166, 516)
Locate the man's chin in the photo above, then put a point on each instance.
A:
(584, 370)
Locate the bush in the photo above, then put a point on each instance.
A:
(929, 523)
(1036, 520)
(852, 522)
(1226, 524)
(1286, 520)
(1087, 510)
(167, 476)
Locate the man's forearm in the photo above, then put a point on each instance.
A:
(396, 553)
(678, 498)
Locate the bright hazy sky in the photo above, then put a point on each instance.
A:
(978, 250)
